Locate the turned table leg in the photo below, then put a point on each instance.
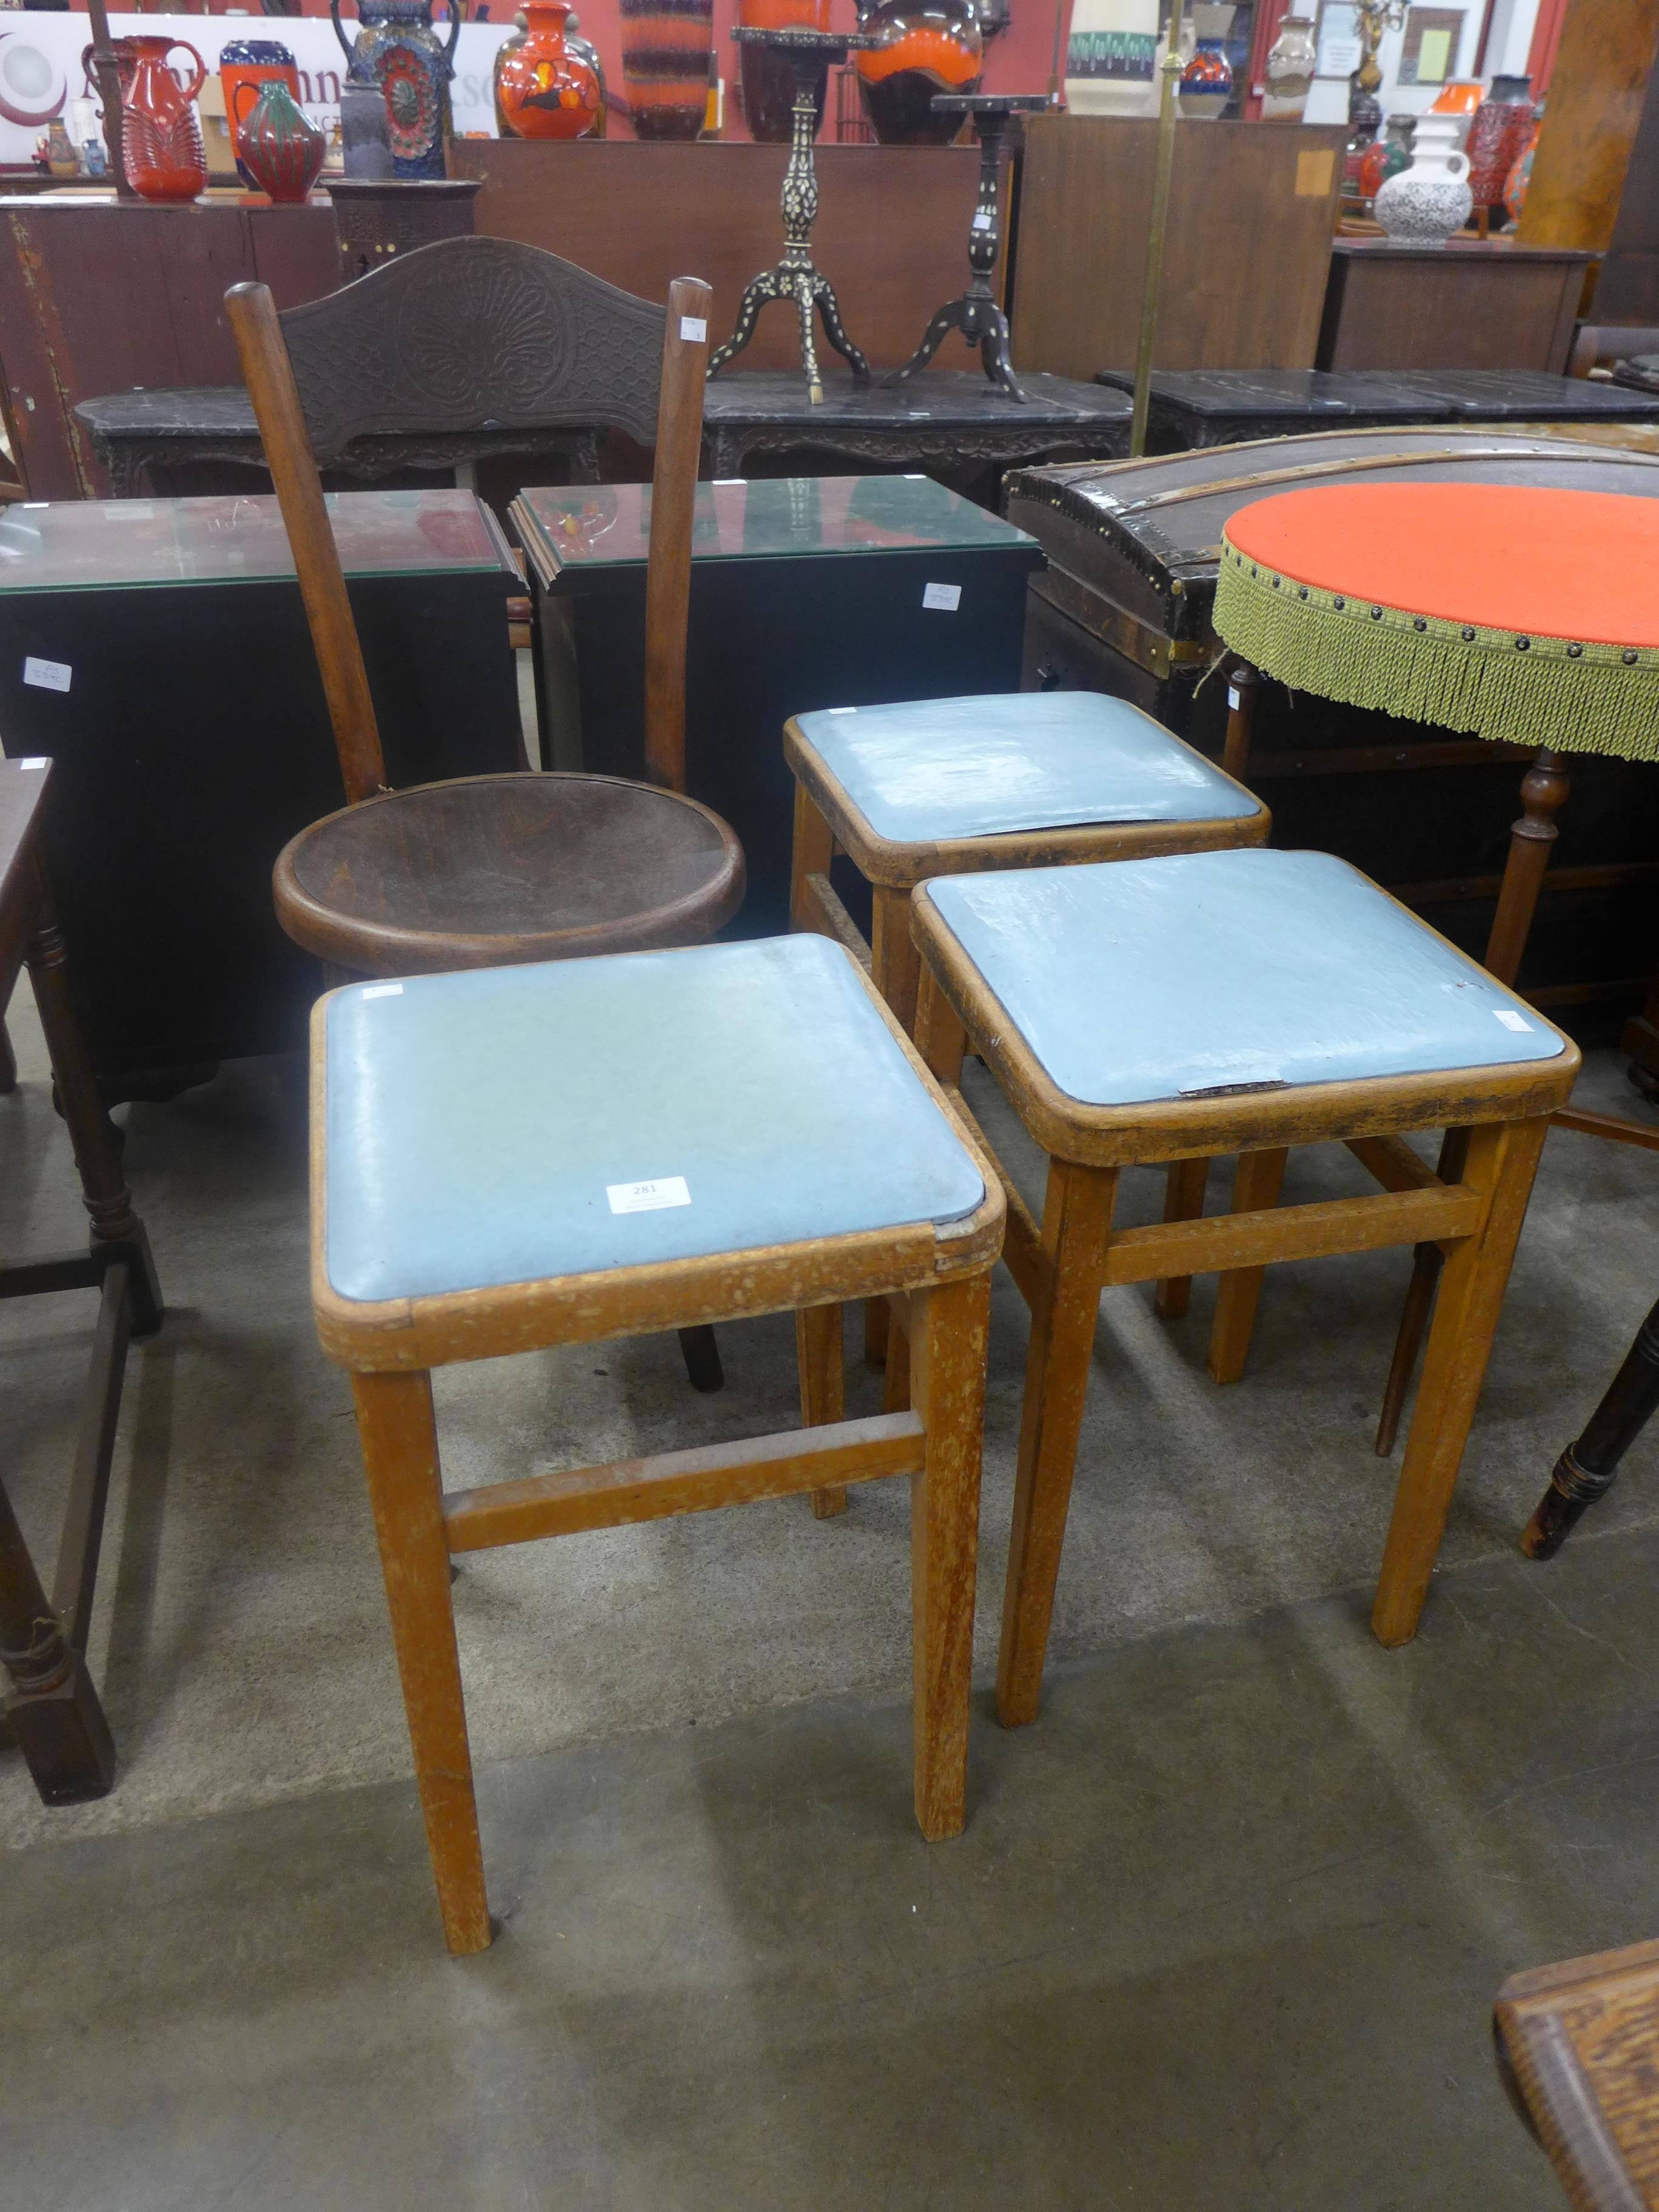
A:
(1585, 1471)
(53, 1708)
(1544, 790)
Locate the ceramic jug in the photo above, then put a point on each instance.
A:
(398, 49)
(541, 89)
(1426, 203)
(160, 139)
(277, 144)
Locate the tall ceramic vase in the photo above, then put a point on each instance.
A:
(398, 49)
(1110, 58)
(665, 45)
(769, 80)
(160, 139)
(541, 89)
(1287, 78)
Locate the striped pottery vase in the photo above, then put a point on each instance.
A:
(279, 146)
(1109, 57)
(665, 45)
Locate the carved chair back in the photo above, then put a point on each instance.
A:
(474, 334)
(674, 424)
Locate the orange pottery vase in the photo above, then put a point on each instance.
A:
(543, 89)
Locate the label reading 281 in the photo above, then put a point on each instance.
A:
(648, 1197)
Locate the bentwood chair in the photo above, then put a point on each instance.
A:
(486, 871)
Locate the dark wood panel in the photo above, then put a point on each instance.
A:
(891, 232)
(1252, 209)
(1590, 122)
(102, 297)
(1475, 306)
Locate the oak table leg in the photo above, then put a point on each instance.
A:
(1183, 1201)
(948, 1330)
(1585, 1471)
(1503, 1158)
(400, 1460)
(1077, 1219)
(1256, 1183)
(1544, 790)
(822, 1389)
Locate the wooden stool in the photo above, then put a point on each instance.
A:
(1577, 2047)
(1020, 779)
(1233, 1002)
(506, 1159)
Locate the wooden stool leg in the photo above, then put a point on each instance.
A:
(1585, 1471)
(1183, 1201)
(1503, 1159)
(813, 849)
(1077, 1220)
(400, 1459)
(1256, 1183)
(1419, 1304)
(823, 1392)
(1544, 790)
(949, 1327)
(896, 1385)
(939, 1037)
(896, 970)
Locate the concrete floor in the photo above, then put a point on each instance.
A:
(1224, 1929)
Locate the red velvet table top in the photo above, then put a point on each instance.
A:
(1538, 561)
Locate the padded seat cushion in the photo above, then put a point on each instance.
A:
(1136, 980)
(943, 768)
(492, 1126)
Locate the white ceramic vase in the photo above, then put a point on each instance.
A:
(1425, 204)
(1110, 58)
(1289, 75)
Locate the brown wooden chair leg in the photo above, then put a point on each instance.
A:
(8, 1058)
(895, 1382)
(948, 1328)
(1183, 1201)
(1257, 1180)
(1544, 790)
(1242, 685)
(810, 854)
(823, 1388)
(896, 969)
(53, 1709)
(1586, 1470)
(701, 1351)
(1503, 1159)
(400, 1460)
(1077, 1219)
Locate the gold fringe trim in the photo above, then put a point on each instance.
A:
(1560, 692)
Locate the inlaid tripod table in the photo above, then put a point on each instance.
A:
(1525, 615)
(794, 277)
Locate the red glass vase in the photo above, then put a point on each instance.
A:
(279, 146)
(160, 139)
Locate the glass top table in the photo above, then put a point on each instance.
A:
(65, 545)
(599, 526)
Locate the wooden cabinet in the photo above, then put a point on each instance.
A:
(101, 297)
(1472, 304)
(1252, 210)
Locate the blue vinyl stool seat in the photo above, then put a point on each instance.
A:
(485, 1127)
(508, 1159)
(1027, 779)
(1166, 1010)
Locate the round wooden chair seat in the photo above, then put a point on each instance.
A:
(486, 871)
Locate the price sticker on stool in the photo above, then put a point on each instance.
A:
(946, 598)
(648, 1197)
(1510, 1019)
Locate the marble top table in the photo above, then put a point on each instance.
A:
(948, 421)
(1195, 407)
